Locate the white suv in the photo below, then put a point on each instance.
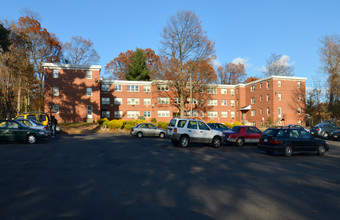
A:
(183, 131)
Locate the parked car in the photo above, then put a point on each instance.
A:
(38, 116)
(218, 127)
(289, 141)
(324, 129)
(184, 131)
(34, 124)
(296, 126)
(11, 130)
(147, 129)
(335, 135)
(242, 134)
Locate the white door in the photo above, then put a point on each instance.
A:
(89, 111)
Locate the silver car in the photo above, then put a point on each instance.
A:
(34, 124)
(147, 129)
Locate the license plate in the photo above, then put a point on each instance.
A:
(265, 140)
(335, 136)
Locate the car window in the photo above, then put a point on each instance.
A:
(223, 126)
(42, 117)
(270, 132)
(212, 126)
(294, 134)
(305, 134)
(236, 129)
(31, 117)
(203, 126)
(152, 126)
(20, 117)
(27, 123)
(172, 123)
(253, 130)
(181, 123)
(144, 126)
(281, 133)
(192, 125)
(35, 122)
(12, 124)
(3, 124)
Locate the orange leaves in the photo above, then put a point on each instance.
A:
(251, 79)
(231, 73)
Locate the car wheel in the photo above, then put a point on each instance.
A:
(184, 141)
(139, 134)
(270, 152)
(161, 135)
(325, 135)
(31, 139)
(288, 151)
(216, 142)
(239, 142)
(321, 150)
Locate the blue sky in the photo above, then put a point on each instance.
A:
(248, 31)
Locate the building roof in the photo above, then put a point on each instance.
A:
(71, 66)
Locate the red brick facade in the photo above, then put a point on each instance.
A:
(282, 99)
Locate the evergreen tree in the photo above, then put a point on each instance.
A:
(138, 69)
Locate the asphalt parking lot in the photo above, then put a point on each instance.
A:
(105, 176)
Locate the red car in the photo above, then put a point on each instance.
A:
(242, 134)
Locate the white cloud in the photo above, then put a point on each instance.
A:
(284, 61)
(216, 63)
(243, 61)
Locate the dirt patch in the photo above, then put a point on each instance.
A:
(87, 128)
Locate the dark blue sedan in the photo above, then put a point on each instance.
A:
(218, 127)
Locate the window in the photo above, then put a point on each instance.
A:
(224, 114)
(147, 114)
(261, 85)
(212, 114)
(192, 125)
(194, 113)
(267, 84)
(299, 110)
(261, 111)
(146, 88)
(118, 101)
(132, 88)
(133, 101)
(181, 123)
(232, 92)
(202, 114)
(194, 101)
(203, 126)
(118, 88)
(232, 103)
(89, 74)
(299, 98)
(163, 113)
(224, 91)
(106, 101)
(212, 102)
(268, 112)
(55, 74)
(294, 134)
(176, 101)
(267, 97)
(279, 83)
(55, 91)
(253, 112)
(118, 114)
(260, 97)
(163, 100)
(299, 84)
(163, 87)
(55, 108)
(280, 112)
(105, 87)
(253, 100)
(212, 90)
(89, 91)
(147, 101)
(279, 96)
(202, 102)
(105, 114)
(232, 115)
(252, 88)
(132, 114)
(224, 102)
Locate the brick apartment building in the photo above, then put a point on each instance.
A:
(75, 93)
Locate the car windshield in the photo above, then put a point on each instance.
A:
(270, 132)
(224, 127)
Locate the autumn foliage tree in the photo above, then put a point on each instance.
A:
(187, 54)
(231, 73)
(119, 66)
(79, 51)
(251, 79)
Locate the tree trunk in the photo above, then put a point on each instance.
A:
(19, 97)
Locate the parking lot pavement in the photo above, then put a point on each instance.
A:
(123, 177)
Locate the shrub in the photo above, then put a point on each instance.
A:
(211, 121)
(141, 117)
(139, 121)
(162, 124)
(153, 120)
(102, 120)
(229, 125)
(116, 124)
(237, 123)
(106, 123)
(129, 124)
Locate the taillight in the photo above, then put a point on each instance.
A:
(46, 128)
(131, 129)
(261, 140)
(175, 130)
(318, 129)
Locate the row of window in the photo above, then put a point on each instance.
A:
(253, 112)
(279, 96)
(55, 74)
(279, 84)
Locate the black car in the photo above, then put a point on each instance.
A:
(335, 135)
(290, 140)
(218, 127)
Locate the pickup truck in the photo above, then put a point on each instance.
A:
(242, 134)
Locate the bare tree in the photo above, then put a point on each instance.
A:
(80, 51)
(187, 51)
(231, 73)
(277, 65)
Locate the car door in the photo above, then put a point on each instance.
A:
(152, 130)
(307, 143)
(3, 131)
(193, 131)
(144, 128)
(205, 135)
(16, 131)
(295, 139)
(252, 135)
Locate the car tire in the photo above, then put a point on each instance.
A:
(288, 151)
(31, 139)
(139, 134)
(184, 141)
(162, 135)
(270, 152)
(325, 135)
(240, 141)
(216, 142)
(321, 150)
